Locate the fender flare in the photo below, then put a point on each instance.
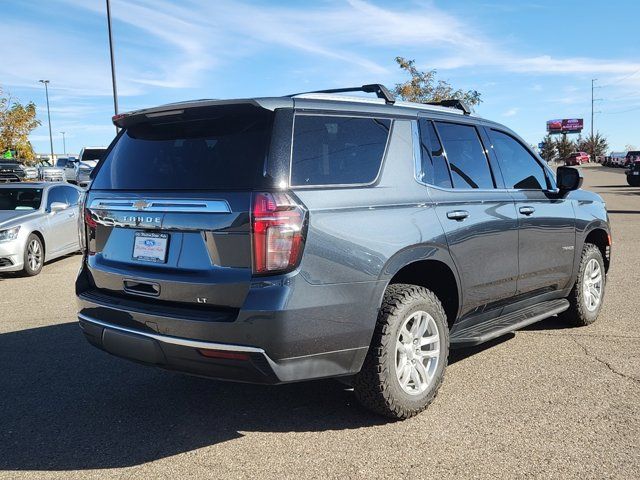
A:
(418, 253)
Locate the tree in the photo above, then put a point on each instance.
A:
(17, 121)
(423, 87)
(564, 146)
(548, 151)
(595, 145)
(630, 148)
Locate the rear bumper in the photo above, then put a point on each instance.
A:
(83, 178)
(238, 363)
(288, 329)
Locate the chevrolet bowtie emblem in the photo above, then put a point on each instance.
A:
(140, 204)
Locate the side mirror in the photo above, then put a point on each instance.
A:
(58, 207)
(568, 178)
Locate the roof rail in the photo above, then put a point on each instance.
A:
(453, 103)
(380, 90)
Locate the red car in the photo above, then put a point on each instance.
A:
(577, 158)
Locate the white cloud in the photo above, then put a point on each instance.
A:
(511, 112)
(176, 45)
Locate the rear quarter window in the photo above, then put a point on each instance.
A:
(337, 150)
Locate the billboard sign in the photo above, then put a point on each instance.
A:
(566, 125)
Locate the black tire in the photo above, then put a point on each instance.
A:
(633, 180)
(27, 269)
(578, 313)
(377, 386)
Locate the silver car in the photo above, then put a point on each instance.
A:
(50, 173)
(38, 222)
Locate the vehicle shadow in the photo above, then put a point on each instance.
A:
(68, 406)
(7, 275)
(460, 354)
(550, 323)
(628, 212)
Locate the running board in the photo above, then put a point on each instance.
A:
(485, 331)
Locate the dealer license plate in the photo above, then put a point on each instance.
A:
(150, 247)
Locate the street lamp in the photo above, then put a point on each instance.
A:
(113, 62)
(64, 144)
(46, 91)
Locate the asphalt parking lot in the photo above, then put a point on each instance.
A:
(548, 402)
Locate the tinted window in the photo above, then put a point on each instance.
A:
(219, 148)
(61, 162)
(519, 168)
(469, 165)
(337, 150)
(434, 164)
(92, 153)
(72, 195)
(56, 194)
(20, 198)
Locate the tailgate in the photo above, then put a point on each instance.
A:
(193, 249)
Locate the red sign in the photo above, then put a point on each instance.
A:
(566, 125)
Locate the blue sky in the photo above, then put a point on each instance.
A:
(531, 60)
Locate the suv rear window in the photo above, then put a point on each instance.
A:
(218, 148)
(333, 150)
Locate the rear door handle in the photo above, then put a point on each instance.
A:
(457, 215)
(527, 210)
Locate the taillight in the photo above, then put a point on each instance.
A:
(88, 230)
(277, 224)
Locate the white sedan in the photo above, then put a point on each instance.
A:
(38, 222)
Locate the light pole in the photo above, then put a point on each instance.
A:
(113, 63)
(46, 91)
(64, 144)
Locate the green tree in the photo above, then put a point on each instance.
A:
(564, 147)
(423, 87)
(548, 151)
(17, 121)
(595, 145)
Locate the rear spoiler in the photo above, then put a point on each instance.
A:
(123, 120)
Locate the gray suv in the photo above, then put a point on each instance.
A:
(317, 235)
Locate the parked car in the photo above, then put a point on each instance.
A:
(30, 172)
(49, 173)
(61, 162)
(11, 171)
(633, 173)
(617, 159)
(78, 170)
(631, 157)
(577, 158)
(274, 240)
(38, 222)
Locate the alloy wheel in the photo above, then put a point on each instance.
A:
(592, 284)
(417, 352)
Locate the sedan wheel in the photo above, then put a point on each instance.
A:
(33, 256)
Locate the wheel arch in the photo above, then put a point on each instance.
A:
(428, 266)
(40, 235)
(601, 238)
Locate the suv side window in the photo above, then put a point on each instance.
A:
(468, 163)
(56, 194)
(434, 163)
(333, 150)
(519, 168)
